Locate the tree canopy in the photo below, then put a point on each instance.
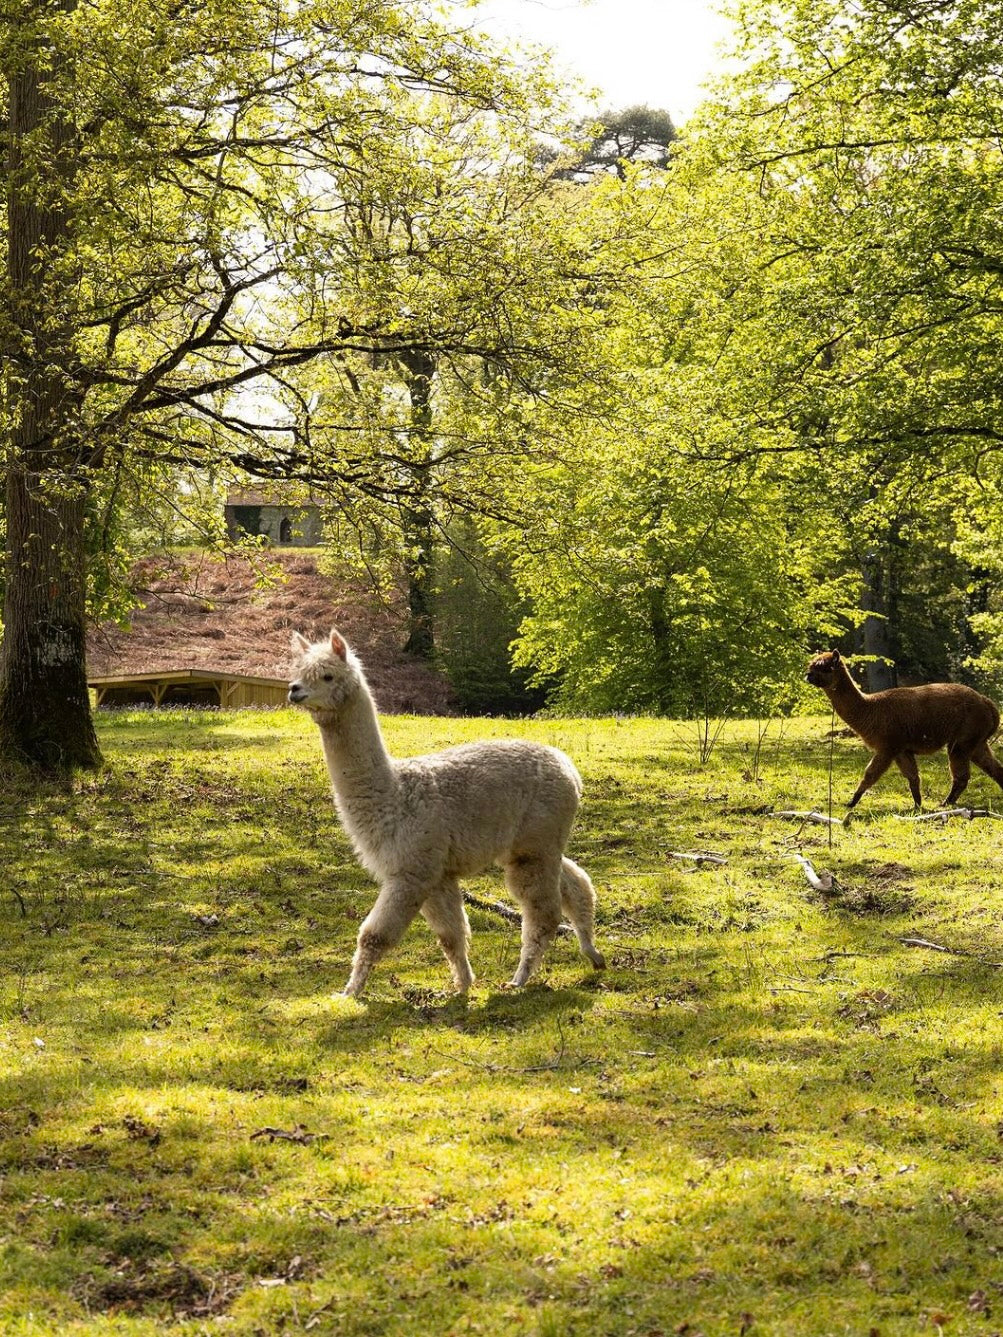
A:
(203, 202)
(700, 410)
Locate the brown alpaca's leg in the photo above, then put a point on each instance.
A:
(444, 913)
(876, 768)
(984, 759)
(535, 884)
(958, 760)
(395, 907)
(906, 762)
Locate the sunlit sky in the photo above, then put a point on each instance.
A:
(632, 51)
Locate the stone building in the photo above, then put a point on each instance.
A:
(286, 523)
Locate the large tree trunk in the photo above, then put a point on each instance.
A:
(876, 630)
(419, 536)
(45, 716)
(661, 640)
(418, 516)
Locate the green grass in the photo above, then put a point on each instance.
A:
(768, 1116)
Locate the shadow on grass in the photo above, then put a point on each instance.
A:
(196, 730)
(756, 1110)
(685, 1131)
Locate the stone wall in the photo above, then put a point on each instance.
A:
(285, 526)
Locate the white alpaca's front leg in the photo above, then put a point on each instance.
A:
(384, 926)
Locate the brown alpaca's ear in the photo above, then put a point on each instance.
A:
(338, 645)
(835, 656)
(298, 644)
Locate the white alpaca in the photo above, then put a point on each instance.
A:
(419, 825)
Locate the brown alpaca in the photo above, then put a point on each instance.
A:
(903, 722)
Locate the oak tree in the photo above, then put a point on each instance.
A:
(192, 220)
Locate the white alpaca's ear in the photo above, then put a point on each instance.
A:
(298, 644)
(338, 645)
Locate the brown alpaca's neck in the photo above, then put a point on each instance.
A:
(848, 701)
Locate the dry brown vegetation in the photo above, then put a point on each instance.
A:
(202, 612)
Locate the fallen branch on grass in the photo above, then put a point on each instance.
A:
(698, 858)
(298, 1134)
(494, 908)
(823, 881)
(808, 817)
(504, 911)
(933, 946)
(945, 814)
(949, 951)
(831, 956)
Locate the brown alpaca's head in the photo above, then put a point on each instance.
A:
(325, 674)
(825, 669)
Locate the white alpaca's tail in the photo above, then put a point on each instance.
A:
(578, 898)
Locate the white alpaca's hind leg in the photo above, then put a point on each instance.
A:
(444, 913)
(579, 900)
(535, 884)
(395, 907)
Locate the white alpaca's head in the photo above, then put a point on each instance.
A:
(326, 674)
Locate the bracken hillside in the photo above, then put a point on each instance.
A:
(231, 615)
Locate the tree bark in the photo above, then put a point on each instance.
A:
(419, 537)
(876, 629)
(418, 516)
(45, 716)
(661, 640)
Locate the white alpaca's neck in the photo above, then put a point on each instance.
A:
(360, 767)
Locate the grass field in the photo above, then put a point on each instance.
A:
(769, 1116)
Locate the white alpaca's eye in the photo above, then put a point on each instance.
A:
(329, 677)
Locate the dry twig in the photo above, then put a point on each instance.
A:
(298, 1134)
(949, 951)
(819, 817)
(823, 881)
(504, 911)
(945, 814)
(699, 858)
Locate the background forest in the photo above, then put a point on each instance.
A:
(635, 415)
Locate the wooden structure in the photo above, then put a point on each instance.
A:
(188, 687)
